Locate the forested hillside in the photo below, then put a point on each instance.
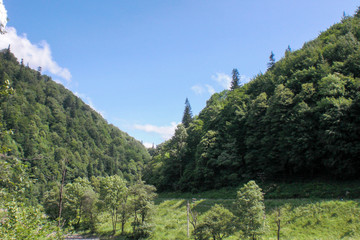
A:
(52, 126)
(299, 120)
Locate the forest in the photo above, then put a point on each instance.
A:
(65, 170)
(298, 121)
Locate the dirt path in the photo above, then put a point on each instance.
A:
(79, 237)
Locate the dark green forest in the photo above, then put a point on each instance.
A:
(49, 126)
(300, 120)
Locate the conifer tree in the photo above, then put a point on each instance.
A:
(271, 62)
(187, 117)
(235, 79)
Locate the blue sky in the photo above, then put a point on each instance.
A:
(136, 62)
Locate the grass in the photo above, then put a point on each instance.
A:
(309, 210)
(301, 218)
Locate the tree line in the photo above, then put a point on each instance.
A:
(298, 120)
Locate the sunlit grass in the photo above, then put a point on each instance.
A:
(306, 219)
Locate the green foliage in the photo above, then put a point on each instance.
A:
(187, 117)
(80, 204)
(300, 218)
(114, 193)
(20, 215)
(43, 114)
(142, 199)
(323, 219)
(14, 179)
(235, 79)
(250, 210)
(298, 120)
(271, 62)
(23, 222)
(218, 223)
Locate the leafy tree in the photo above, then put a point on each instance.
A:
(250, 210)
(25, 222)
(142, 196)
(218, 223)
(281, 216)
(114, 193)
(187, 117)
(178, 152)
(235, 79)
(80, 204)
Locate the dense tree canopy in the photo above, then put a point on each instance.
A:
(298, 120)
(49, 124)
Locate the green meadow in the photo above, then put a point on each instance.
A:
(331, 212)
(301, 218)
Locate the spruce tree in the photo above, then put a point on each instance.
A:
(187, 117)
(235, 79)
(271, 62)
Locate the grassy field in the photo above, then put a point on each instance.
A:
(301, 218)
(314, 210)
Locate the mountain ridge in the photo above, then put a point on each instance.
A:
(50, 124)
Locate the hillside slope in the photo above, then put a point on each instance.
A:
(50, 124)
(300, 120)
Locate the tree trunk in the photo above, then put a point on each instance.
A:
(278, 223)
(188, 219)
(113, 218)
(61, 192)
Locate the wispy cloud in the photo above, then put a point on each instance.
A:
(166, 132)
(89, 102)
(210, 89)
(223, 79)
(36, 55)
(197, 89)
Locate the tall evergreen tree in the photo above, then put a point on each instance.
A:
(235, 79)
(271, 62)
(187, 117)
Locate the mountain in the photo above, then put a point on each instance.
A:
(298, 121)
(51, 126)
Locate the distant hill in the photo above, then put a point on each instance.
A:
(298, 121)
(50, 124)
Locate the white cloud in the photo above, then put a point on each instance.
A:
(223, 79)
(37, 55)
(3, 16)
(166, 132)
(148, 145)
(197, 89)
